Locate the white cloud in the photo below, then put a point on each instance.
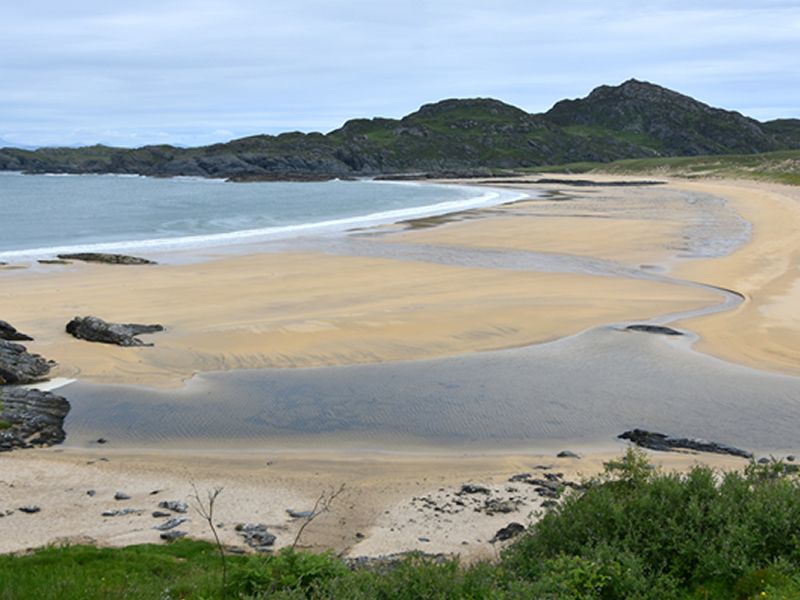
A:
(196, 72)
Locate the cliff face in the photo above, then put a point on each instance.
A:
(632, 120)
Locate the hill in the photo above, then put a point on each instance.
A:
(466, 136)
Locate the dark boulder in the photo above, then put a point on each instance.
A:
(172, 535)
(31, 418)
(95, 329)
(109, 259)
(665, 443)
(657, 329)
(509, 531)
(567, 454)
(18, 366)
(7, 332)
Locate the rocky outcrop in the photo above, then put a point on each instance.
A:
(109, 259)
(9, 333)
(656, 329)
(665, 443)
(18, 366)
(31, 418)
(94, 329)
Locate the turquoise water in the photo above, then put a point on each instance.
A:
(43, 214)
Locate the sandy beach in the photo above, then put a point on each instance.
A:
(308, 308)
(381, 510)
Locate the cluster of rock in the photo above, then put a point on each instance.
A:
(28, 417)
(94, 329)
(665, 443)
(256, 536)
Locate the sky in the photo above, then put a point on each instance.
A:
(190, 73)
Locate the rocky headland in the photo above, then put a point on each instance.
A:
(456, 137)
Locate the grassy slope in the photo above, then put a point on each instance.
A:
(781, 167)
(633, 534)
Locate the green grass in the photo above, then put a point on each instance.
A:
(185, 569)
(779, 167)
(634, 533)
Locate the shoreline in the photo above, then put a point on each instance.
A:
(324, 307)
(243, 240)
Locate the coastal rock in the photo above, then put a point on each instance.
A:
(171, 523)
(120, 512)
(495, 505)
(567, 454)
(121, 496)
(174, 505)
(31, 509)
(656, 329)
(299, 514)
(94, 329)
(256, 536)
(506, 533)
(10, 333)
(160, 514)
(18, 366)
(171, 536)
(665, 443)
(110, 259)
(31, 418)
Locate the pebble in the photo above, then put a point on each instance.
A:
(171, 524)
(30, 509)
(174, 505)
(121, 496)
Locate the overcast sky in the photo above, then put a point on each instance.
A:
(131, 73)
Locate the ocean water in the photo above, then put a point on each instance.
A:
(43, 215)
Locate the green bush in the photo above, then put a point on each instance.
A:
(287, 570)
(687, 529)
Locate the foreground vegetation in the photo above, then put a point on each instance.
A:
(634, 533)
(779, 167)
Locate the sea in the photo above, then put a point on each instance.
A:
(44, 215)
